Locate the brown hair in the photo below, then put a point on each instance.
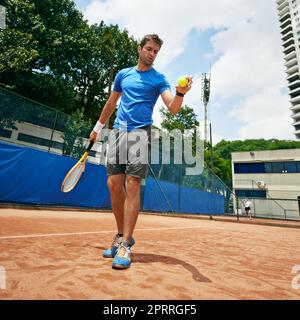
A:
(153, 37)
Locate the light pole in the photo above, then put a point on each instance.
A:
(205, 92)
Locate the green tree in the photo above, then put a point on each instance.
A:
(221, 166)
(185, 119)
(110, 51)
(51, 55)
(76, 129)
(16, 51)
(186, 122)
(49, 33)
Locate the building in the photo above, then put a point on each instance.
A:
(271, 179)
(289, 18)
(29, 123)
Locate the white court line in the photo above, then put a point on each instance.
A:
(88, 232)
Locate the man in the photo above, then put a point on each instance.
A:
(247, 205)
(139, 88)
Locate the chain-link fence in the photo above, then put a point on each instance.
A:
(29, 123)
(263, 202)
(187, 192)
(26, 122)
(286, 209)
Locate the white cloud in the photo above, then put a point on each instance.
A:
(216, 138)
(264, 115)
(251, 56)
(171, 19)
(246, 49)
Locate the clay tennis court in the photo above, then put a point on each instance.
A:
(58, 255)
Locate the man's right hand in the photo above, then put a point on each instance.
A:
(93, 136)
(96, 130)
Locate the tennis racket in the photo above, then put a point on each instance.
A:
(74, 175)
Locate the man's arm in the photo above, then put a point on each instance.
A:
(173, 103)
(107, 111)
(110, 106)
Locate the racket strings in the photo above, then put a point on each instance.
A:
(73, 178)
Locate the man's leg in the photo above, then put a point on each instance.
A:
(117, 198)
(136, 169)
(131, 206)
(122, 259)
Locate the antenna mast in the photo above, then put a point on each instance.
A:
(205, 92)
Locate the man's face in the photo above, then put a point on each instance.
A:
(148, 52)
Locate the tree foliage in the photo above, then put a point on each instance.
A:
(225, 148)
(76, 129)
(185, 119)
(221, 152)
(50, 54)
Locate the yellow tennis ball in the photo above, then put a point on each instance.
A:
(183, 81)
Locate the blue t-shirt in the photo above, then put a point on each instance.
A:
(140, 91)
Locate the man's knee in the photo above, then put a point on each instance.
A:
(115, 183)
(132, 182)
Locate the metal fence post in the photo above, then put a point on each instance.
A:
(237, 208)
(52, 133)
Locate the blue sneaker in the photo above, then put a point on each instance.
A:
(110, 253)
(122, 259)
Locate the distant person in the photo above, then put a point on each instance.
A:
(247, 205)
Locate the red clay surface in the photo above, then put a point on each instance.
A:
(58, 255)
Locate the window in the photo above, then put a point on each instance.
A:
(277, 167)
(253, 167)
(268, 167)
(5, 133)
(256, 167)
(39, 141)
(57, 145)
(33, 139)
(291, 167)
(249, 193)
(241, 168)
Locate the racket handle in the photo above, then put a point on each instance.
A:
(90, 146)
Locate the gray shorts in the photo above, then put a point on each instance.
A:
(128, 152)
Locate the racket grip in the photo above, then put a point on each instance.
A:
(90, 146)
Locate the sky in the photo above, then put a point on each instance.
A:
(236, 41)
